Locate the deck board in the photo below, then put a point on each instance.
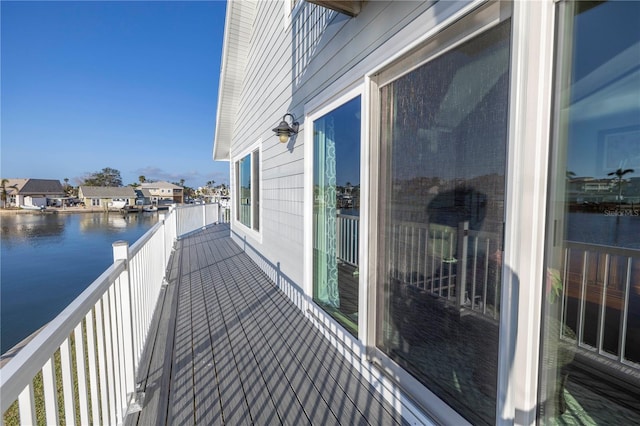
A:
(156, 357)
(282, 396)
(263, 409)
(299, 374)
(181, 396)
(368, 401)
(230, 348)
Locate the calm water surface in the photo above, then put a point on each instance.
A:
(47, 260)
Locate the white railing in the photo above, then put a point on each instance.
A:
(196, 217)
(598, 283)
(347, 238)
(454, 263)
(463, 266)
(81, 367)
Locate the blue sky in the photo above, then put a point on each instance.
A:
(128, 85)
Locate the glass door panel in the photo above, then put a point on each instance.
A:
(443, 165)
(590, 362)
(336, 213)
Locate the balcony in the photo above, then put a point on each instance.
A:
(214, 342)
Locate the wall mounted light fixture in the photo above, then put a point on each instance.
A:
(284, 131)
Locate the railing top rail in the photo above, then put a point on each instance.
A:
(135, 248)
(617, 251)
(487, 234)
(19, 371)
(348, 216)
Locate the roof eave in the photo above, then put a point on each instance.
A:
(348, 7)
(232, 59)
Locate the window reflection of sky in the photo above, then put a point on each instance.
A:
(605, 89)
(245, 172)
(347, 126)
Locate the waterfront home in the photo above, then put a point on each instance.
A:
(162, 190)
(465, 288)
(107, 197)
(32, 192)
(143, 196)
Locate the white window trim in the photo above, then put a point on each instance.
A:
(518, 396)
(314, 110)
(235, 223)
(532, 61)
(530, 109)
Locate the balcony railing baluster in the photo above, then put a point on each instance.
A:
(118, 307)
(116, 310)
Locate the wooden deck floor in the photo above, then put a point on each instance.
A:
(230, 348)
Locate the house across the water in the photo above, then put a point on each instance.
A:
(33, 192)
(471, 284)
(162, 191)
(107, 197)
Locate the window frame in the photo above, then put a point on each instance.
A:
(313, 111)
(255, 229)
(473, 22)
(556, 195)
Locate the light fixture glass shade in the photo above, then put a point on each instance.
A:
(284, 137)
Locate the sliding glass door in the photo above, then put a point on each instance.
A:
(590, 362)
(443, 138)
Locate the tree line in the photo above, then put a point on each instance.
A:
(111, 177)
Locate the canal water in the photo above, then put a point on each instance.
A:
(47, 260)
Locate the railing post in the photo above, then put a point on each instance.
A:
(461, 273)
(121, 252)
(161, 219)
(204, 216)
(174, 212)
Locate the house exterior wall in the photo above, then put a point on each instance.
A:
(92, 199)
(326, 55)
(310, 60)
(35, 201)
(164, 191)
(322, 48)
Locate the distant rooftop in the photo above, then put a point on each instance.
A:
(107, 191)
(159, 184)
(34, 186)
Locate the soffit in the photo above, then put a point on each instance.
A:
(350, 8)
(237, 37)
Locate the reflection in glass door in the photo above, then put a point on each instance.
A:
(336, 213)
(590, 362)
(443, 165)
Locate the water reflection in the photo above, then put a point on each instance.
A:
(49, 259)
(29, 227)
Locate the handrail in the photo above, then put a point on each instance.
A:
(140, 242)
(108, 324)
(605, 284)
(612, 250)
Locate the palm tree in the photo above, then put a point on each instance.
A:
(4, 192)
(619, 173)
(142, 179)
